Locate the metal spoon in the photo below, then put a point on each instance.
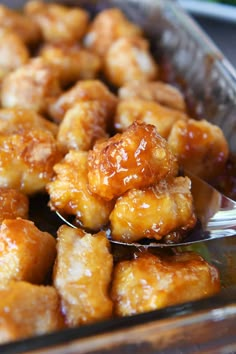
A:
(216, 214)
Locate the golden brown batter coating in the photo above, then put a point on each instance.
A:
(129, 59)
(82, 275)
(57, 22)
(148, 112)
(158, 91)
(86, 90)
(81, 126)
(153, 212)
(109, 25)
(200, 147)
(26, 252)
(151, 282)
(13, 204)
(69, 193)
(33, 86)
(134, 159)
(28, 310)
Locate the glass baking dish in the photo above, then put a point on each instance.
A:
(193, 62)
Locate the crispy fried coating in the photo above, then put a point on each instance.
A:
(134, 159)
(33, 86)
(26, 252)
(148, 112)
(150, 282)
(72, 61)
(57, 22)
(129, 59)
(27, 160)
(158, 91)
(153, 212)
(69, 193)
(200, 147)
(28, 310)
(82, 275)
(86, 90)
(81, 126)
(109, 25)
(13, 204)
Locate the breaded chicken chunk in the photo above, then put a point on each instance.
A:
(69, 193)
(86, 90)
(82, 275)
(148, 112)
(33, 86)
(150, 282)
(109, 25)
(57, 22)
(27, 160)
(134, 159)
(13, 204)
(200, 147)
(153, 212)
(26, 252)
(129, 59)
(28, 310)
(73, 62)
(157, 91)
(81, 126)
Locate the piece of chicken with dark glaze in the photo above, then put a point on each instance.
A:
(136, 158)
(13, 204)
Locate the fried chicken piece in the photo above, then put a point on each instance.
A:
(13, 52)
(81, 126)
(153, 212)
(150, 282)
(13, 204)
(28, 310)
(136, 158)
(109, 25)
(26, 252)
(21, 24)
(57, 22)
(129, 59)
(148, 112)
(158, 91)
(87, 90)
(200, 147)
(27, 160)
(33, 86)
(72, 61)
(69, 193)
(82, 275)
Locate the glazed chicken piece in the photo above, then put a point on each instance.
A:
(109, 25)
(26, 252)
(27, 160)
(13, 52)
(148, 112)
(69, 193)
(136, 158)
(13, 204)
(33, 86)
(87, 90)
(21, 24)
(82, 275)
(150, 282)
(28, 310)
(72, 61)
(81, 126)
(157, 91)
(200, 147)
(153, 212)
(129, 59)
(58, 23)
